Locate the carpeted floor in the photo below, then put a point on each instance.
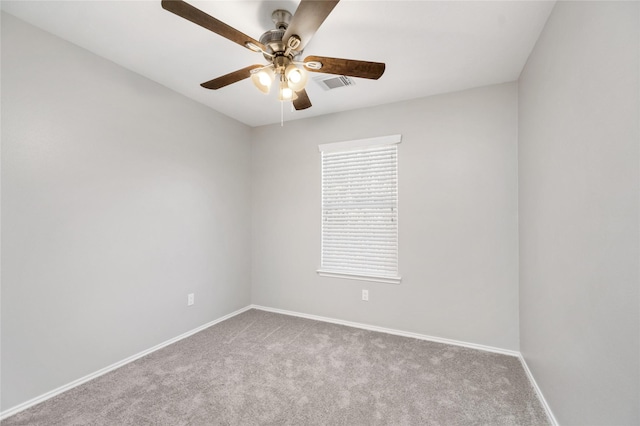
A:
(265, 368)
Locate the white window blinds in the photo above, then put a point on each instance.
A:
(360, 209)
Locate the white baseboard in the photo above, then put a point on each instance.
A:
(391, 331)
(543, 401)
(37, 400)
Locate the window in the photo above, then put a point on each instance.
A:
(360, 209)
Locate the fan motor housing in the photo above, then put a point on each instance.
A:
(272, 39)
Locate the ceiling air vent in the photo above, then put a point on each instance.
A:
(334, 81)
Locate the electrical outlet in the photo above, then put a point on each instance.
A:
(365, 295)
(190, 299)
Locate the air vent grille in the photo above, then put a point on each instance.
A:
(334, 82)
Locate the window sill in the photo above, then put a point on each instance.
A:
(360, 277)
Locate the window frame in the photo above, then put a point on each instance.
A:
(354, 146)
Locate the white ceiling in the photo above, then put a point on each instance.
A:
(429, 47)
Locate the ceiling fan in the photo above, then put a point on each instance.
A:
(281, 47)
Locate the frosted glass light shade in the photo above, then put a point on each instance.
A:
(286, 93)
(263, 79)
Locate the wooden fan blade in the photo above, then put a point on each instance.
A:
(302, 101)
(350, 67)
(195, 15)
(230, 78)
(308, 17)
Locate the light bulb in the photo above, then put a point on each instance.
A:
(287, 93)
(296, 77)
(263, 79)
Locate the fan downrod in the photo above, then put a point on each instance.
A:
(281, 18)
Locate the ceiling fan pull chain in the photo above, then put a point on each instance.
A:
(281, 113)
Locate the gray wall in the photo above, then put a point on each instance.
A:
(119, 197)
(578, 173)
(458, 217)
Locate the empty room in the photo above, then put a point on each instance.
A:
(320, 212)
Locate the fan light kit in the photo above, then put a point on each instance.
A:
(282, 48)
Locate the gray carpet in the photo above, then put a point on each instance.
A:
(265, 368)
